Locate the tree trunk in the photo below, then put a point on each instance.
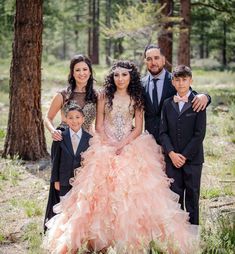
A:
(165, 40)
(64, 41)
(25, 133)
(117, 48)
(76, 33)
(108, 41)
(224, 45)
(95, 33)
(89, 50)
(201, 45)
(207, 48)
(184, 40)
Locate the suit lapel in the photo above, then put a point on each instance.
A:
(175, 106)
(81, 144)
(186, 106)
(67, 141)
(164, 88)
(146, 88)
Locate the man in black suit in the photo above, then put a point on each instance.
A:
(182, 131)
(158, 87)
(67, 157)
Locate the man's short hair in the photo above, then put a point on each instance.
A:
(182, 71)
(152, 46)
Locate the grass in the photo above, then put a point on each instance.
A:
(33, 236)
(219, 237)
(213, 192)
(31, 207)
(9, 172)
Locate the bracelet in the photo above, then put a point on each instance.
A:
(52, 132)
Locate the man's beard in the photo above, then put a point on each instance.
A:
(155, 73)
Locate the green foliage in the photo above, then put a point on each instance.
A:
(2, 238)
(9, 173)
(33, 236)
(134, 21)
(213, 29)
(214, 192)
(220, 237)
(7, 9)
(32, 208)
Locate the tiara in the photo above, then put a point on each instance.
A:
(120, 69)
(70, 104)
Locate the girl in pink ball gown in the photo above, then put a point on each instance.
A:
(120, 201)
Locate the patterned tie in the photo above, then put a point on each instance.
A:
(75, 142)
(155, 94)
(177, 98)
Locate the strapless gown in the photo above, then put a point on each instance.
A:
(121, 202)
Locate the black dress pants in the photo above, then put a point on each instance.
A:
(187, 185)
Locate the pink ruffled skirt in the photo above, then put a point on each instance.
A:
(121, 201)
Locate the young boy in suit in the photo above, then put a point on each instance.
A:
(182, 131)
(67, 156)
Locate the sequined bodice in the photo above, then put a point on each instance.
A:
(118, 121)
(89, 109)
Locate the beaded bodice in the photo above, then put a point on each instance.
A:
(89, 108)
(118, 121)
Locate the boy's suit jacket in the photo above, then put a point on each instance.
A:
(65, 161)
(183, 132)
(152, 115)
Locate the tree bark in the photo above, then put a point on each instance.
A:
(89, 49)
(201, 45)
(165, 40)
(184, 40)
(25, 132)
(224, 45)
(95, 33)
(108, 41)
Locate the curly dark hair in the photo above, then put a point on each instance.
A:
(134, 89)
(90, 92)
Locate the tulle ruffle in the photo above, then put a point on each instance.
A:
(123, 201)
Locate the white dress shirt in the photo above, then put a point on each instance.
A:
(79, 134)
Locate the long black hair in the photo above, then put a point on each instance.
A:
(90, 92)
(134, 88)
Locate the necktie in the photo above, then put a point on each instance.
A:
(177, 98)
(75, 142)
(155, 94)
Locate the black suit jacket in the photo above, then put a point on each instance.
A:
(183, 132)
(64, 160)
(152, 115)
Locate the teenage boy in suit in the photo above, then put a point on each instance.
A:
(157, 87)
(67, 155)
(182, 131)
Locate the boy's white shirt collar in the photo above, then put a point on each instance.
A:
(181, 103)
(79, 133)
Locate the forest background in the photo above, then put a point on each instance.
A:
(37, 40)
